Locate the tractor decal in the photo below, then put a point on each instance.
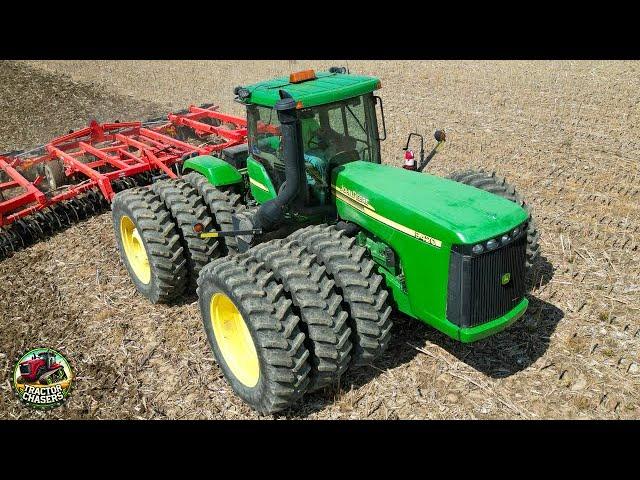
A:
(368, 210)
(355, 196)
(259, 185)
(42, 378)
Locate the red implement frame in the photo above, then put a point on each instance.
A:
(101, 153)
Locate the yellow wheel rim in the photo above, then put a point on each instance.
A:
(134, 250)
(234, 340)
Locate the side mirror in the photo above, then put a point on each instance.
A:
(378, 100)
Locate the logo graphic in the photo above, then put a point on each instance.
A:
(355, 196)
(505, 279)
(42, 378)
(428, 239)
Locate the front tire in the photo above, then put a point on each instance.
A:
(364, 297)
(254, 335)
(315, 300)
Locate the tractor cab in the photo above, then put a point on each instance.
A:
(49, 359)
(338, 124)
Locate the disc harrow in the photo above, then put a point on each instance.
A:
(51, 187)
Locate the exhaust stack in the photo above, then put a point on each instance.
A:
(293, 193)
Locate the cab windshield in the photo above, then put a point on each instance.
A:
(332, 135)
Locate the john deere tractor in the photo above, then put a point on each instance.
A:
(301, 242)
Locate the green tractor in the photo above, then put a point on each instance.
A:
(300, 242)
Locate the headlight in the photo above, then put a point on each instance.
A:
(477, 249)
(505, 239)
(492, 244)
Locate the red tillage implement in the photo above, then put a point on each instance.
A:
(76, 175)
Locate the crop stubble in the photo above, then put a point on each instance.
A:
(565, 133)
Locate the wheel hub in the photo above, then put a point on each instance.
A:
(134, 250)
(234, 340)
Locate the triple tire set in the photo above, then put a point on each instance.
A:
(288, 316)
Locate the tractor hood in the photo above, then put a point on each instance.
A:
(423, 205)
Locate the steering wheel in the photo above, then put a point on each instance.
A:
(344, 156)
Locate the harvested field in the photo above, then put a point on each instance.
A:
(567, 134)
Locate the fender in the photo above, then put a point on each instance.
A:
(217, 171)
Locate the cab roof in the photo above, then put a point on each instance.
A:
(327, 87)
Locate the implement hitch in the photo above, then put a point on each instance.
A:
(198, 228)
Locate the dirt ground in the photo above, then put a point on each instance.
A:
(567, 134)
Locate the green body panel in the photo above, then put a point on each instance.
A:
(326, 88)
(378, 250)
(217, 171)
(258, 180)
(420, 217)
(436, 206)
(468, 335)
(398, 291)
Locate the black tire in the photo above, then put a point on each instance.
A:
(492, 183)
(221, 204)
(187, 208)
(363, 296)
(161, 241)
(274, 329)
(317, 304)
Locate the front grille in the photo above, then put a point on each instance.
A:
(476, 294)
(24, 369)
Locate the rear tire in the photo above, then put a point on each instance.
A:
(364, 297)
(273, 329)
(222, 205)
(159, 236)
(187, 208)
(316, 303)
(492, 183)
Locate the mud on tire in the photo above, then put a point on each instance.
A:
(317, 304)
(187, 208)
(161, 241)
(492, 183)
(274, 329)
(221, 205)
(364, 298)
